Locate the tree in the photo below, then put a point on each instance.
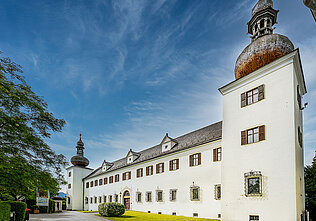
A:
(310, 190)
(25, 123)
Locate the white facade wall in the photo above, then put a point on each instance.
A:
(278, 157)
(206, 176)
(76, 191)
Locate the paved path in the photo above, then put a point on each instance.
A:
(66, 216)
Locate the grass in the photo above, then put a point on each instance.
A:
(139, 216)
(82, 211)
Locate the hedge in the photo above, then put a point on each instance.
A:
(19, 209)
(111, 209)
(5, 211)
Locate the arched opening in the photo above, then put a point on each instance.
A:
(127, 200)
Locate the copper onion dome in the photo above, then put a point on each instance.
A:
(79, 159)
(265, 46)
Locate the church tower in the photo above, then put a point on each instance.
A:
(75, 174)
(263, 166)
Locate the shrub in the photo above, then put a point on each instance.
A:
(5, 211)
(19, 209)
(111, 209)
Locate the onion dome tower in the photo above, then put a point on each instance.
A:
(265, 46)
(79, 159)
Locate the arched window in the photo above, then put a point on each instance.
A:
(126, 193)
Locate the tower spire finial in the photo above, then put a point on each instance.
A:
(263, 17)
(80, 137)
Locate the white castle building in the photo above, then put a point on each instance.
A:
(249, 166)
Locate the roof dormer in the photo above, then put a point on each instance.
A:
(106, 165)
(167, 143)
(131, 156)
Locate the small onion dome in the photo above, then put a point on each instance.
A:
(261, 52)
(79, 161)
(311, 4)
(261, 4)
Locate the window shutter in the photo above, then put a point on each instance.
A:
(199, 158)
(191, 160)
(170, 165)
(177, 160)
(124, 176)
(214, 155)
(141, 171)
(261, 92)
(130, 174)
(243, 137)
(243, 99)
(157, 168)
(262, 133)
(147, 171)
(163, 167)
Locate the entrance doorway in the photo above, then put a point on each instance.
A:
(127, 200)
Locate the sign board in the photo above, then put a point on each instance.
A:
(42, 201)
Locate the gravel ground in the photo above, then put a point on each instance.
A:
(66, 215)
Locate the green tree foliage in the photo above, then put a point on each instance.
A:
(26, 161)
(310, 190)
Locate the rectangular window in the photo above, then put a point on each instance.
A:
(139, 197)
(149, 170)
(105, 180)
(91, 184)
(104, 199)
(87, 184)
(91, 200)
(253, 135)
(110, 198)
(174, 164)
(195, 159)
(100, 199)
(116, 198)
(160, 168)
(117, 178)
(217, 154)
(111, 179)
(69, 174)
(69, 186)
(139, 172)
(218, 193)
(173, 195)
(148, 196)
(100, 182)
(195, 193)
(253, 183)
(159, 196)
(86, 200)
(252, 217)
(252, 96)
(126, 175)
(95, 199)
(96, 183)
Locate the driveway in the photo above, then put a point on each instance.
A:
(66, 215)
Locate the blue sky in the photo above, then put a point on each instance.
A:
(123, 73)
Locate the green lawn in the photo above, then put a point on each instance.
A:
(84, 211)
(133, 215)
